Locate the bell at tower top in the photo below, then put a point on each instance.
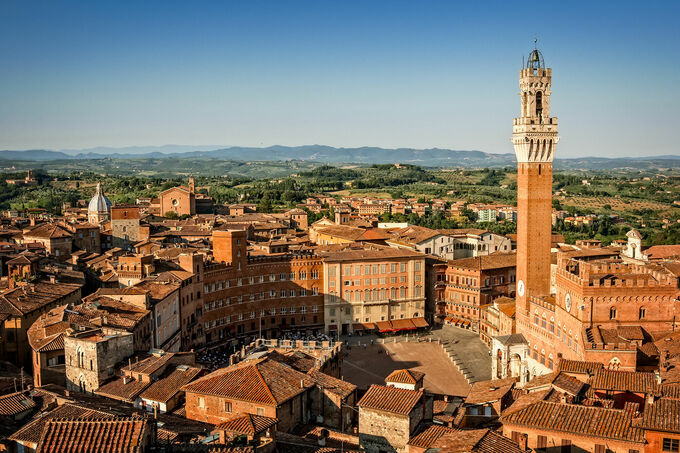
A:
(535, 60)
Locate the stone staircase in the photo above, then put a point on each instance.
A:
(469, 355)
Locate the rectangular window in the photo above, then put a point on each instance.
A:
(227, 406)
(542, 442)
(201, 402)
(566, 446)
(669, 444)
(260, 411)
(601, 449)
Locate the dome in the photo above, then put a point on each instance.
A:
(99, 203)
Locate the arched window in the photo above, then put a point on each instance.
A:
(539, 103)
(643, 312)
(612, 313)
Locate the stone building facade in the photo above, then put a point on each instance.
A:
(125, 228)
(91, 357)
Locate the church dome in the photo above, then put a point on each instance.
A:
(99, 202)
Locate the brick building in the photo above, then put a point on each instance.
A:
(371, 284)
(57, 241)
(265, 294)
(85, 236)
(21, 306)
(473, 282)
(181, 200)
(261, 387)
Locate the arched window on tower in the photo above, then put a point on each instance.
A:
(539, 104)
(612, 313)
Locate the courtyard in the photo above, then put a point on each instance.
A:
(368, 364)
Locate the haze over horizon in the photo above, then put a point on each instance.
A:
(392, 75)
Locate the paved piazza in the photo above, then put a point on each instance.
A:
(370, 365)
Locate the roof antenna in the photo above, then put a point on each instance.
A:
(535, 41)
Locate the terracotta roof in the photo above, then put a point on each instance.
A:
(164, 389)
(568, 384)
(47, 231)
(661, 415)
(15, 403)
(659, 252)
(353, 252)
(390, 399)
(34, 296)
(557, 380)
(583, 420)
(31, 432)
(415, 234)
(489, 391)
(150, 364)
(158, 290)
(427, 436)
(123, 389)
(25, 257)
(124, 435)
(247, 424)
(522, 399)
(486, 262)
(475, 440)
(630, 381)
(334, 385)
(405, 376)
(298, 360)
(579, 367)
(262, 381)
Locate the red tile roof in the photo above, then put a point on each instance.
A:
(334, 385)
(247, 424)
(31, 432)
(661, 415)
(122, 389)
(583, 420)
(164, 389)
(426, 437)
(47, 231)
(483, 392)
(124, 435)
(15, 403)
(630, 381)
(579, 367)
(475, 440)
(263, 381)
(390, 399)
(405, 376)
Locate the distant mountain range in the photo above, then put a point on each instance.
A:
(328, 154)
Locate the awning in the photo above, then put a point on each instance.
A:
(420, 322)
(384, 326)
(369, 326)
(402, 324)
(332, 327)
(358, 326)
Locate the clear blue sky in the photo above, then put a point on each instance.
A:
(342, 73)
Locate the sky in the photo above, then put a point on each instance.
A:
(341, 73)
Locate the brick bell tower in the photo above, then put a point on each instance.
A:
(534, 136)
